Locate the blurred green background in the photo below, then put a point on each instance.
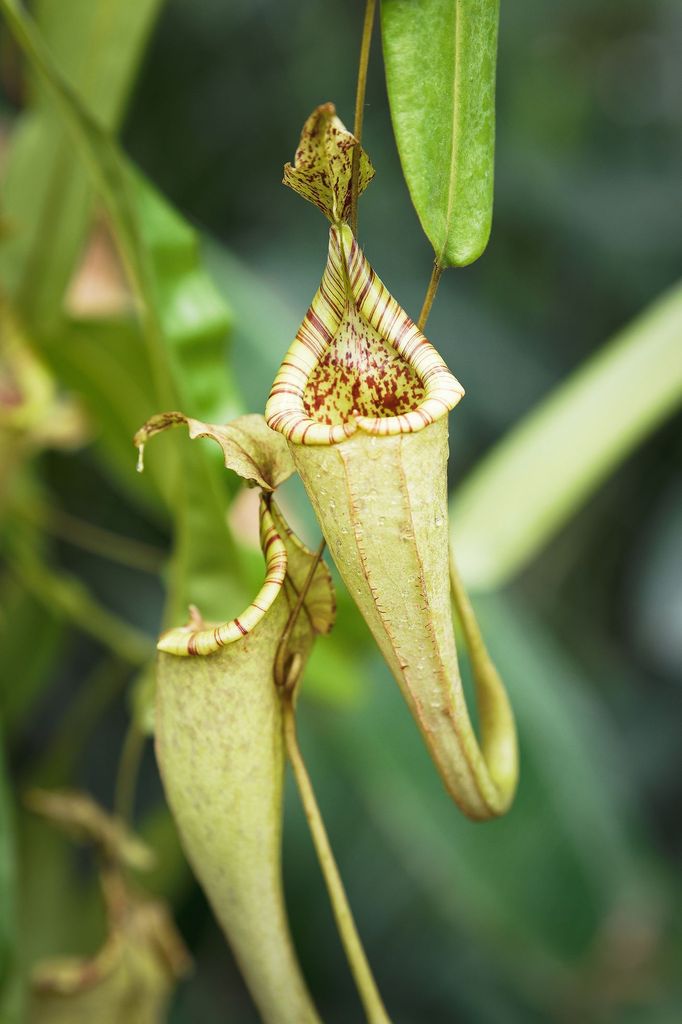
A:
(568, 909)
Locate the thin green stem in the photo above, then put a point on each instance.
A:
(95, 539)
(364, 980)
(128, 771)
(55, 766)
(365, 46)
(430, 294)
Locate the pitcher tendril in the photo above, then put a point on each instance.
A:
(361, 88)
(343, 915)
(286, 664)
(431, 290)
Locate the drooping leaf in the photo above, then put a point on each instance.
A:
(250, 449)
(322, 167)
(530, 484)
(440, 58)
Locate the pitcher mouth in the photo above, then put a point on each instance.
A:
(358, 361)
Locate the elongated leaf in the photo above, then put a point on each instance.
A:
(98, 48)
(145, 228)
(105, 361)
(537, 883)
(547, 467)
(440, 58)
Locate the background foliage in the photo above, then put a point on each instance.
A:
(566, 909)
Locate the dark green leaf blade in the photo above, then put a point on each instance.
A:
(440, 58)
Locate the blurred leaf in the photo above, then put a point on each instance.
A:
(33, 414)
(531, 483)
(8, 888)
(31, 638)
(109, 172)
(181, 315)
(106, 363)
(142, 957)
(84, 821)
(657, 626)
(538, 883)
(67, 596)
(263, 317)
(97, 46)
(440, 58)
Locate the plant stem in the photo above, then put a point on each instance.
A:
(55, 766)
(97, 540)
(128, 770)
(430, 294)
(364, 980)
(361, 88)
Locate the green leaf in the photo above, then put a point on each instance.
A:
(180, 329)
(31, 641)
(536, 884)
(97, 47)
(8, 882)
(440, 58)
(105, 362)
(541, 473)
